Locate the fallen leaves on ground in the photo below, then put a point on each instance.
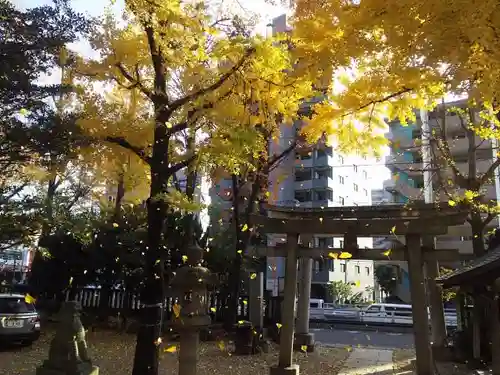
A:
(402, 359)
(114, 353)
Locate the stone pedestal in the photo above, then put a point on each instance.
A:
(291, 370)
(188, 358)
(304, 340)
(42, 370)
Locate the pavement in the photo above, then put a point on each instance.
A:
(368, 361)
(359, 338)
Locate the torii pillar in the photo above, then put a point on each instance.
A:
(424, 361)
(285, 363)
(303, 338)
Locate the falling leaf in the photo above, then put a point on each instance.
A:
(157, 261)
(333, 255)
(158, 341)
(115, 225)
(71, 280)
(452, 203)
(387, 253)
(303, 348)
(171, 349)
(357, 284)
(176, 308)
(23, 112)
(253, 276)
(184, 258)
(320, 219)
(268, 194)
(240, 251)
(213, 309)
(245, 302)
(279, 325)
(29, 299)
(348, 348)
(168, 125)
(241, 322)
(393, 229)
(221, 345)
(245, 228)
(345, 255)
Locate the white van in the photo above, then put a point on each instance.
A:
(387, 313)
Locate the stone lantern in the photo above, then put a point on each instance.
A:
(190, 285)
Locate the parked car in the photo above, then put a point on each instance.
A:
(19, 320)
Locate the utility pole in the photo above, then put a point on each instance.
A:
(435, 297)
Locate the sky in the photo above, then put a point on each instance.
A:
(377, 170)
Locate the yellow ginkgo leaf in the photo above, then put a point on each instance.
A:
(241, 322)
(168, 125)
(279, 325)
(345, 255)
(333, 255)
(23, 112)
(239, 251)
(29, 299)
(115, 225)
(245, 228)
(245, 302)
(348, 348)
(171, 349)
(221, 345)
(387, 253)
(393, 229)
(176, 308)
(268, 194)
(213, 309)
(253, 276)
(71, 280)
(357, 284)
(158, 341)
(184, 258)
(303, 348)
(452, 203)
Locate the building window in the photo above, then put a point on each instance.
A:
(365, 175)
(357, 269)
(342, 267)
(367, 269)
(303, 175)
(303, 195)
(331, 265)
(355, 187)
(341, 159)
(355, 167)
(323, 173)
(341, 244)
(325, 241)
(341, 180)
(366, 192)
(324, 195)
(341, 201)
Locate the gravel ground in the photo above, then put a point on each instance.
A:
(402, 364)
(114, 352)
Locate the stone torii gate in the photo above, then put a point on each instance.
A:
(413, 222)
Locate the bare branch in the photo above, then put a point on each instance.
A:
(134, 82)
(182, 164)
(489, 173)
(120, 141)
(222, 79)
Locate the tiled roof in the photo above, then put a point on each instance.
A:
(489, 262)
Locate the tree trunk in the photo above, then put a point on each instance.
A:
(147, 349)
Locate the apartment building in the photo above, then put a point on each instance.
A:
(407, 183)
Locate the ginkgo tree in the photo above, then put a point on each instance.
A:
(191, 77)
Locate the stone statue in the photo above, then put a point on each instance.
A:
(68, 353)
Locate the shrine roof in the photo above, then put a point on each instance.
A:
(482, 270)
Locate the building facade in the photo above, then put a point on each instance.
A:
(407, 166)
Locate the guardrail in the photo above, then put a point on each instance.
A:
(355, 316)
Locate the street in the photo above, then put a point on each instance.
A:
(352, 337)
